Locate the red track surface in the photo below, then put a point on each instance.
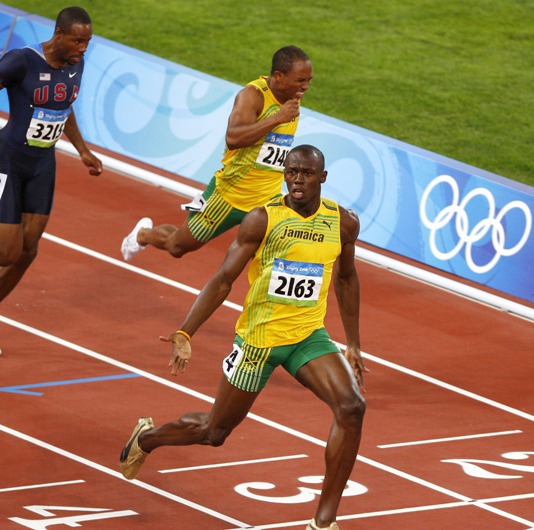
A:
(444, 371)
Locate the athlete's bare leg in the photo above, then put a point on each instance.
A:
(332, 380)
(19, 249)
(229, 410)
(176, 241)
(11, 236)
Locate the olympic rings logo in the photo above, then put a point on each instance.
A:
(456, 215)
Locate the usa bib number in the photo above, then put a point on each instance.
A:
(46, 127)
(295, 282)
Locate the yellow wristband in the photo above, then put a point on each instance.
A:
(186, 335)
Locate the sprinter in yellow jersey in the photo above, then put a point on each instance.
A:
(260, 132)
(296, 244)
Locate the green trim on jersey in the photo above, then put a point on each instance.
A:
(217, 217)
(249, 368)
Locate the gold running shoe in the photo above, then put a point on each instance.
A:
(313, 526)
(132, 456)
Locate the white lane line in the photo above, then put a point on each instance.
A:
(118, 475)
(132, 268)
(37, 486)
(239, 308)
(414, 509)
(447, 386)
(229, 464)
(103, 358)
(270, 423)
(451, 439)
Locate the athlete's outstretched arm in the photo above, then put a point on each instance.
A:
(215, 292)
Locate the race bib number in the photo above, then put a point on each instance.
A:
(274, 150)
(232, 361)
(3, 180)
(46, 127)
(295, 282)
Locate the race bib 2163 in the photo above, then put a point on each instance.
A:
(295, 282)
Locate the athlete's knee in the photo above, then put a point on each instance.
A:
(350, 411)
(179, 246)
(10, 254)
(177, 251)
(8, 258)
(20, 257)
(217, 436)
(28, 254)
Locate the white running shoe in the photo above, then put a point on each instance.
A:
(130, 247)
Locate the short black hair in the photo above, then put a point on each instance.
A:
(309, 150)
(284, 58)
(72, 15)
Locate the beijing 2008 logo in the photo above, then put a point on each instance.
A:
(468, 234)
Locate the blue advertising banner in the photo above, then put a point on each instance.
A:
(418, 204)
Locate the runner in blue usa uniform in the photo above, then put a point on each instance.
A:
(42, 82)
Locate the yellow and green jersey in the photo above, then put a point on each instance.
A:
(253, 175)
(290, 275)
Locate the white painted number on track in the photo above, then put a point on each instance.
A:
(49, 512)
(474, 468)
(306, 494)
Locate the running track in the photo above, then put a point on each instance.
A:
(448, 438)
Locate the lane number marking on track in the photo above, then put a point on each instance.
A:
(49, 513)
(306, 494)
(473, 468)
